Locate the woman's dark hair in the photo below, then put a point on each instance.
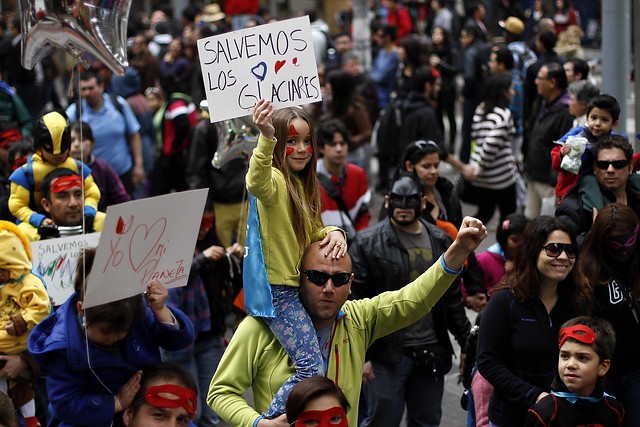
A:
(417, 150)
(414, 49)
(612, 220)
(343, 87)
(523, 279)
(118, 315)
(446, 37)
(83, 129)
(312, 388)
(514, 223)
(495, 92)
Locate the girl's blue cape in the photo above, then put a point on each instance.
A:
(257, 289)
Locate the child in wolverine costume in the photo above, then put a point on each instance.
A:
(23, 304)
(51, 141)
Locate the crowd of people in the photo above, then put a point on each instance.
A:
(338, 315)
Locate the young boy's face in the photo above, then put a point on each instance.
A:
(580, 367)
(600, 122)
(54, 159)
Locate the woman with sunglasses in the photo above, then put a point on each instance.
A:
(518, 341)
(609, 261)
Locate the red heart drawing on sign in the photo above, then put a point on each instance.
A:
(143, 242)
(123, 227)
(279, 64)
(295, 61)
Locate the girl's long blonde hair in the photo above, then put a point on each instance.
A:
(281, 120)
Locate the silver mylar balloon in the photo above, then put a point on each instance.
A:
(97, 27)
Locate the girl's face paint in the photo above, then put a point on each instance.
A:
(299, 148)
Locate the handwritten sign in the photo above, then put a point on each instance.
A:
(142, 241)
(275, 62)
(55, 260)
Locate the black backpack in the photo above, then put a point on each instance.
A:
(387, 129)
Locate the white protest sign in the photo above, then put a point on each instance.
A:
(142, 241)
(274, 61)
(55, 260)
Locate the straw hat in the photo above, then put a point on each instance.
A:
(513, 25)
(212, 13)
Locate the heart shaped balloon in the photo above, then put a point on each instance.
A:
(96, 27)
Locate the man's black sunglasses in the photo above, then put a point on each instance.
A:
(320, 278)
(617, 164)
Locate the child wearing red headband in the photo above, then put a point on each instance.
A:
(168, 396)
(577, 394)
(51, 142)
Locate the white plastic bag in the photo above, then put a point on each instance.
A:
(572, 161)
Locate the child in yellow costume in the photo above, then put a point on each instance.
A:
(52, 141)
(23, 304)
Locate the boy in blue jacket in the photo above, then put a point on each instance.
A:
(94, 357)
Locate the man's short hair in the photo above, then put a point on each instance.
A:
(45, 187)
(584, 91)
(548, 40)
(169, 371)
(556, 72)
(348, 56)
(327, 128)
(504, 56)
(88, 75)
(343, 34)
(390, 30)
(613, 141)
(605, 335)
(473, 31)
(580, 66)
(607, 103)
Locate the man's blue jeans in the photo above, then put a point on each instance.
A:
(396, 385)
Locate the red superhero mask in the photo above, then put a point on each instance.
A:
(19, 161)
(580, 333)
(332, 417)
(184, 397)
(66, 182)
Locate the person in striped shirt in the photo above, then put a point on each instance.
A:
(493, 160)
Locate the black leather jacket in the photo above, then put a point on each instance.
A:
(381, 264)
